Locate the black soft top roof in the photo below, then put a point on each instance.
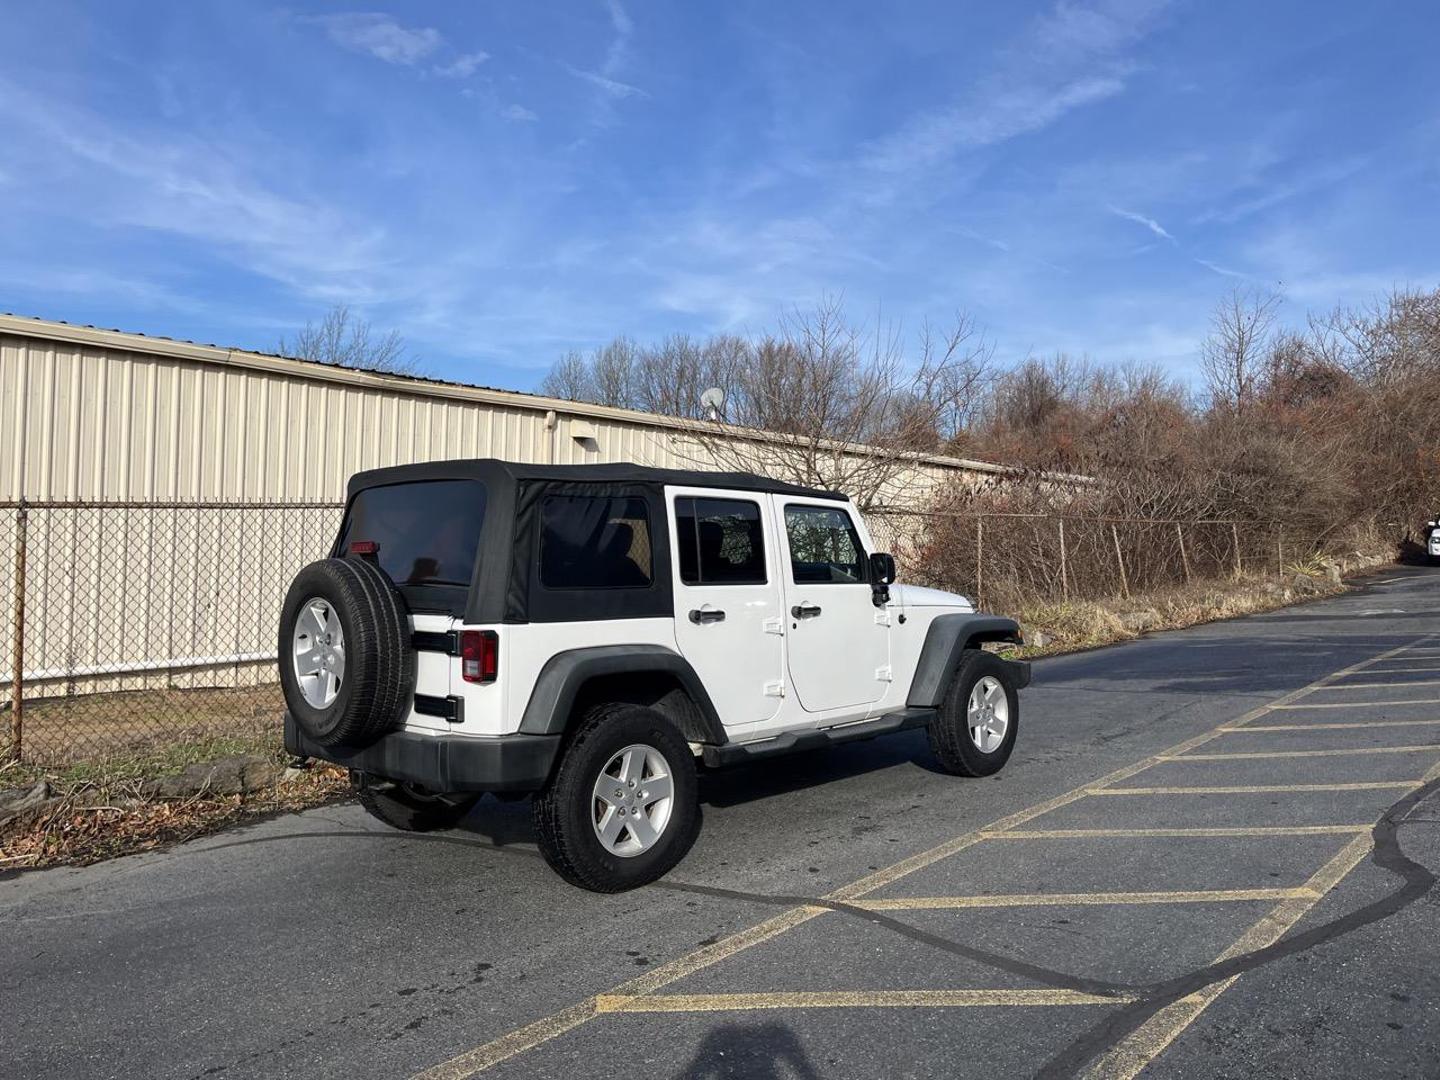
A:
(494, 470)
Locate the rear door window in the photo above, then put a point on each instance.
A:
(427, 532)
(720, 541)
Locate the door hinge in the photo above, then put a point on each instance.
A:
(775, 689)
(882, 617)
(774, 625)
(884, 674)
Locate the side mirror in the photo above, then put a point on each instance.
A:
(882, 568)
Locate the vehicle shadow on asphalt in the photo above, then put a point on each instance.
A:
(754, 1051)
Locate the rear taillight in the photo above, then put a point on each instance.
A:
(479, 655)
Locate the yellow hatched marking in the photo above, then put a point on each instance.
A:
(1434, 748)
(1260, 830)
(850, 999)
(1259, 789)
(1149, 1040)
(540, 1031)
(1195, 896)
(1356, 704)
(1334, 727)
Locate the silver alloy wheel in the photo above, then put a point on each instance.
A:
(988, 714)
(318, 647)
(633, 799)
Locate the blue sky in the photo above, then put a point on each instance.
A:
(504, 181)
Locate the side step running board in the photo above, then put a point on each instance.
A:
(794, 741)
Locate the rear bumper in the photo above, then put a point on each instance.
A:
(1019, 672)
(442, 762)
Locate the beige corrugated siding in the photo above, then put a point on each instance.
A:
(92, 414)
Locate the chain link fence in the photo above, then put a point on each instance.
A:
(1005, 560)
(129, 625)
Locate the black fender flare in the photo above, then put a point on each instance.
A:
(948, 637)
(552, 701)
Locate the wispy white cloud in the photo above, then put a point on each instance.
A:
(612, 87)
(1221, 270)
(463, 66)
(1067, 59)
(519, 114)
(1140, 219)
(617, 57)
(380, 36)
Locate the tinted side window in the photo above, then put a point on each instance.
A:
(824, 547)
(594, 542)
(721, 541)
(427, 531)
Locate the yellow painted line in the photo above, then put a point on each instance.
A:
(1334, 727)
(1142, 1046)
(850, 999)
(1100, 899)
(540, 1031)
(1258, 789)
(1381, 685)
(1357, 704)
(547, 1028)
(1402, 670)
(1260, 830)
(1261, 754)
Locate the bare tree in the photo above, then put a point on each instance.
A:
(570, 378)
(1231, 357)
(346, 340)
(842, 405)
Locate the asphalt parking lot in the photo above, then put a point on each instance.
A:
(1212, 855)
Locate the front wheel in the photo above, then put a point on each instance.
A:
(974, 733)
(623, 807)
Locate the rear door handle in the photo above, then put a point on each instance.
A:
(805, 611)
(704, 615)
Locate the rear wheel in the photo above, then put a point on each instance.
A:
(409, 808)
(622, 808)
(974, 733)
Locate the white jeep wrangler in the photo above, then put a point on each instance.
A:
(592, 634)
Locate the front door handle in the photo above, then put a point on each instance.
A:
(806, 610)
(704, 615)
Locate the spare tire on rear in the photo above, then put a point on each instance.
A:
(347, 668)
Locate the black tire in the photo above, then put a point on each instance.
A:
(950, 736)
(410, 810)
(379, 675)
(564, 810)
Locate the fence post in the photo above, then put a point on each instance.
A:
(1280, 556)
(979, 562)
(1120, 560)
(17, 685)
(1064, 574)
(1184, 562)
(1235, 536)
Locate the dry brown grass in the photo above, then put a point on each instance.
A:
(102, 813)
(1087, 624)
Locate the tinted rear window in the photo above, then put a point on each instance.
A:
(589, 542)
(428, 531)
